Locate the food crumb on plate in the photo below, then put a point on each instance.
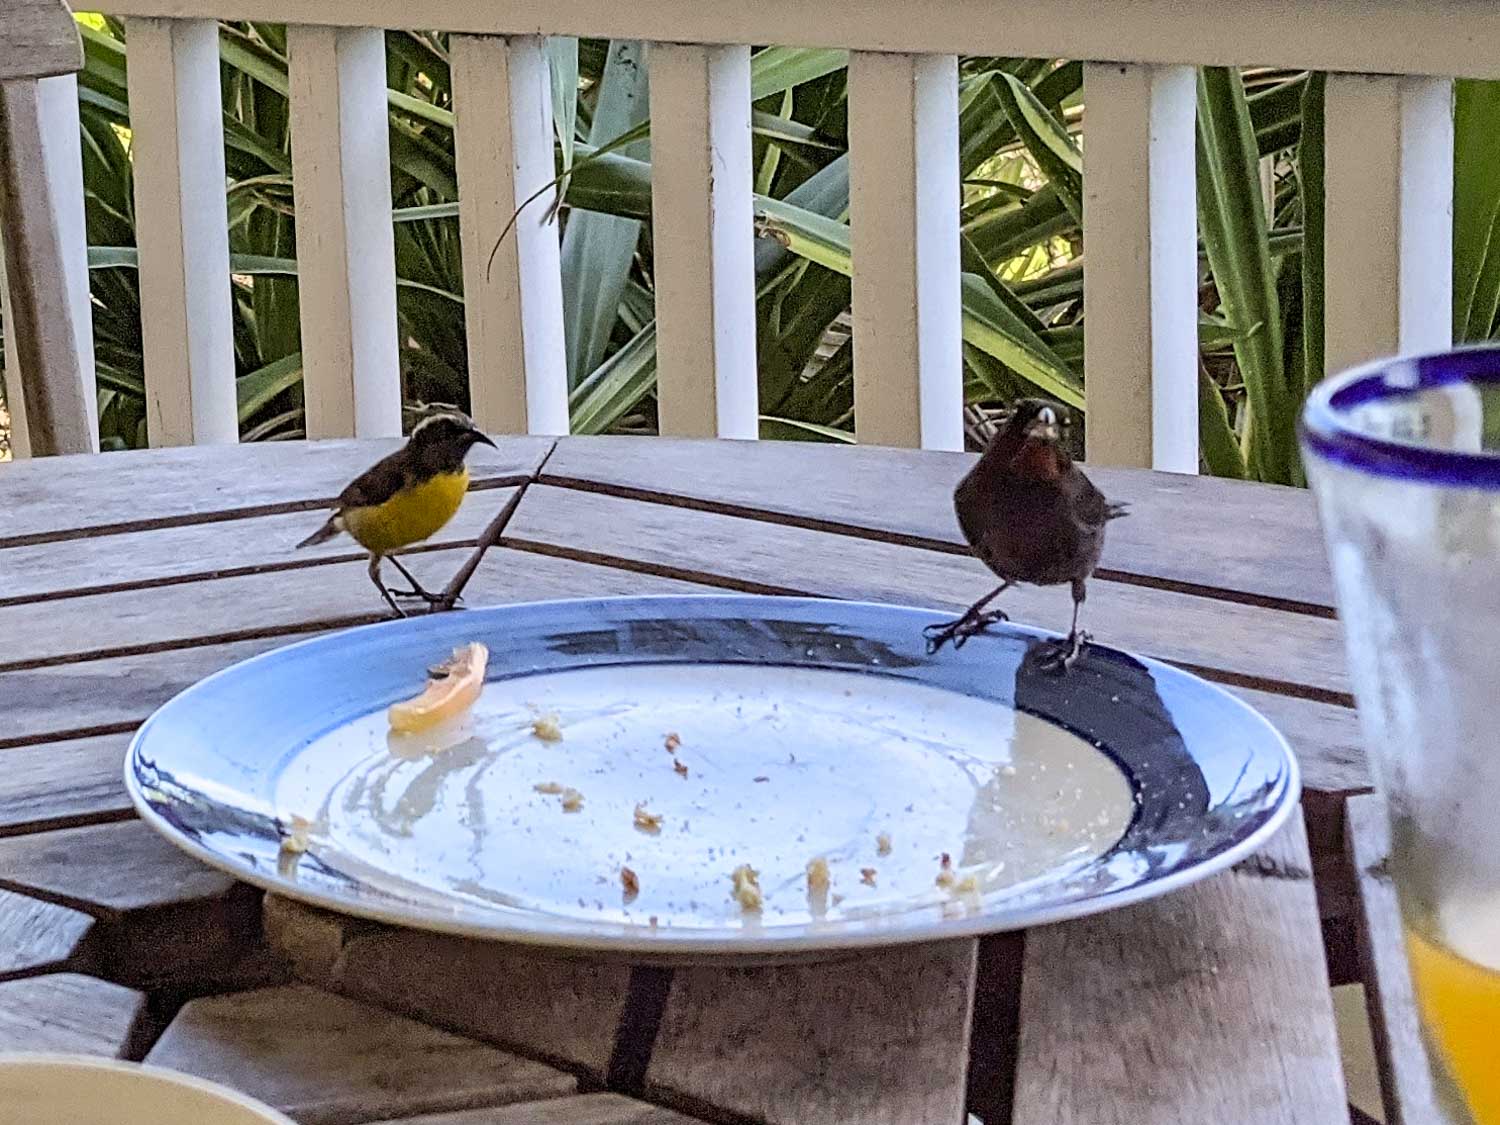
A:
(631, 883)
(817, 875)
(550, 788)
(572, 800)
(646, 820)
(945, 876)
(680, 767)
(294, 834)
(651, 921)
(547, 728)
(867, 876)
(747, 887)
(883, 844)
(672, 742)
(758, 780)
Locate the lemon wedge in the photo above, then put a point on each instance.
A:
(444, 698)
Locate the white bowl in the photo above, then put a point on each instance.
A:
(41, 1089)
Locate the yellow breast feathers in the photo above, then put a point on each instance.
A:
(409, 516)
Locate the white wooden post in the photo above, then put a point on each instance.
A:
(1388, 214)
(904, 220)
(346, 258)
(56, 105)
(182, 231)
(701, 196)
(502, 101)
(1140, 276)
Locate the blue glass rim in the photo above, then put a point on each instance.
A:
(1325, 430)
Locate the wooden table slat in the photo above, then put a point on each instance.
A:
(1209, 1004)
(69, 1013)
(1249, 641)
(327, 1060)
(877, 1039)
(564, 1009)
(1407, 1086)
(61, 784)
(586, 1109)
(41, 498)
(1254, 540)
(36, 934)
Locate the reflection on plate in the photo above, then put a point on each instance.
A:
(956, 794)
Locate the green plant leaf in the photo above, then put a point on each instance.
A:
(597, 248)
(1217, 444)
(1310, 152)
(617, 386)
(794, 429)
(1476, 209)
(1232, 220)
(1046, 139)
(256, 390)
(776, 69)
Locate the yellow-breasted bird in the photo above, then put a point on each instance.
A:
(406, 497)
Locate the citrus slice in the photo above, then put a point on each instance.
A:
(444, 698)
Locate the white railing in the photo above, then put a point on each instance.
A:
(1388, 197)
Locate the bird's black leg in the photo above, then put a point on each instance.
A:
(974, 620)
(380, 585)
(416, 590)
(1064, 653)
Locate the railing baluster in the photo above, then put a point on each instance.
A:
(345, 242)
(187, 330)
(1140, 276)
(704, 241)
(56, 104)
(502, 98)
(1388, 276)
(904, 211)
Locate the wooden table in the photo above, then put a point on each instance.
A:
(124, 578)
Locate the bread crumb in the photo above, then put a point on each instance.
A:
(867, 876)
(672, 742)
(546, 728)
(294, 834)
(646, 820)
(883, 844)
(747, 887)
(550, 788)
(572, 800)
(945, 877)
(680, 767)
(817, 875)
(758, 780)
(630, 882)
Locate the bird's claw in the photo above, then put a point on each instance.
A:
(959, 631)
(426, 595)
(1063, 654)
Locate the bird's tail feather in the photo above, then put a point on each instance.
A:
(1115, 511)
(323, 534)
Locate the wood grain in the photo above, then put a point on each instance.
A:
(166, 554)
(1406, 1082)
(589, 1109)
(327, 1060)
(71, 1013)
(120, 692)
(1244, 640)
(1209, 1004)
(36, 934)
(878, 1039)
(107, 869)
(60, 784)
(87, 496)
(37, 39)
(562, 1009)
(1251, 539)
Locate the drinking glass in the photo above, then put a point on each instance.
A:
(1404, 457)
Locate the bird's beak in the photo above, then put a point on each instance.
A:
(480, 437)
(1045, 426)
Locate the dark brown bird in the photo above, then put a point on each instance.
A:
(1032, 517)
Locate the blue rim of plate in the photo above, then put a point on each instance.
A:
(1327, 430)
(1198, 810)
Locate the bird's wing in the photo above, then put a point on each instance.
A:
(377, 484)
(1090, 508)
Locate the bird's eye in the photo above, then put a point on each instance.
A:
(1047, 416)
